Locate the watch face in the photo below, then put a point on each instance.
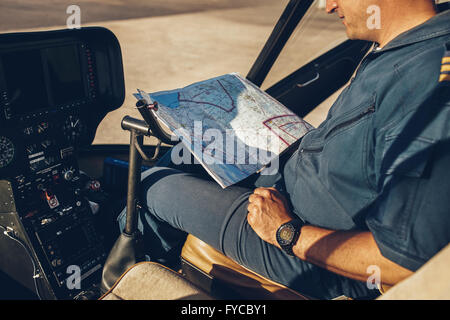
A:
(286, 234)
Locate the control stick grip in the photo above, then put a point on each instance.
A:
(153, 123)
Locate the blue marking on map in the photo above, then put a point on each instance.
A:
(169, 100)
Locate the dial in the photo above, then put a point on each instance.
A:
(73, 129)
(287, 234)
(7, 151)
(68, 173)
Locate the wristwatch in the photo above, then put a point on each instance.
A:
(287, 235)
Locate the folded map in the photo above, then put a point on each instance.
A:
(232, 127)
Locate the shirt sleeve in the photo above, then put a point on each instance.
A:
(410, 218)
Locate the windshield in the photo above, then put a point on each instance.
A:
(165, 44)
(317, 33)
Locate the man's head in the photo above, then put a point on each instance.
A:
(376, 20)
(353, 14)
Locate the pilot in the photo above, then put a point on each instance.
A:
(364, 199)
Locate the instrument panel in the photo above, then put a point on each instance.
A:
(45, 92)
(55, 88)
(35, 146)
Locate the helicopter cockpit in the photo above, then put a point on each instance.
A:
(60, 195)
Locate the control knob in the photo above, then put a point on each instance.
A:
(68, 174)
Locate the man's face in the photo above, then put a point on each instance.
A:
(353, 14)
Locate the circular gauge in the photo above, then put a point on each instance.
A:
(7, 151)
(73, 129)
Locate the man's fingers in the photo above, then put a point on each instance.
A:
(254, 209)
(255, 199)
(250, 219)
(274, 191)
(252, 212)
(268, 193)
(263, 192)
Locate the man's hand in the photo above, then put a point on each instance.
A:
(348, 253)
(267, 211)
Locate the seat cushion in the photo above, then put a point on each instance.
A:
(245, 282)
(152, 281)
(431, 281)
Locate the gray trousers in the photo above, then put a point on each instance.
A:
(182, 202)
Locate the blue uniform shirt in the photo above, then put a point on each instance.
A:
(381, 159)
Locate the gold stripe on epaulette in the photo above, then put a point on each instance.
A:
(445, 68)
(446, 60)
(444, 77)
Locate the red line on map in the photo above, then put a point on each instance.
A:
(281, 116)
(280, 126)
(233, 106)
(286, 124)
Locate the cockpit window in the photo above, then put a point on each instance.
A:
(186, 48)
(317, 33)
(165, 44)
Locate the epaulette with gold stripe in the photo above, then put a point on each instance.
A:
(445, 68)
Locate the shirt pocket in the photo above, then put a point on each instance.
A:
(341, 149)
(316, 139)
(333, 165)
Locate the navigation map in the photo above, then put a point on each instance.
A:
(232, 127)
